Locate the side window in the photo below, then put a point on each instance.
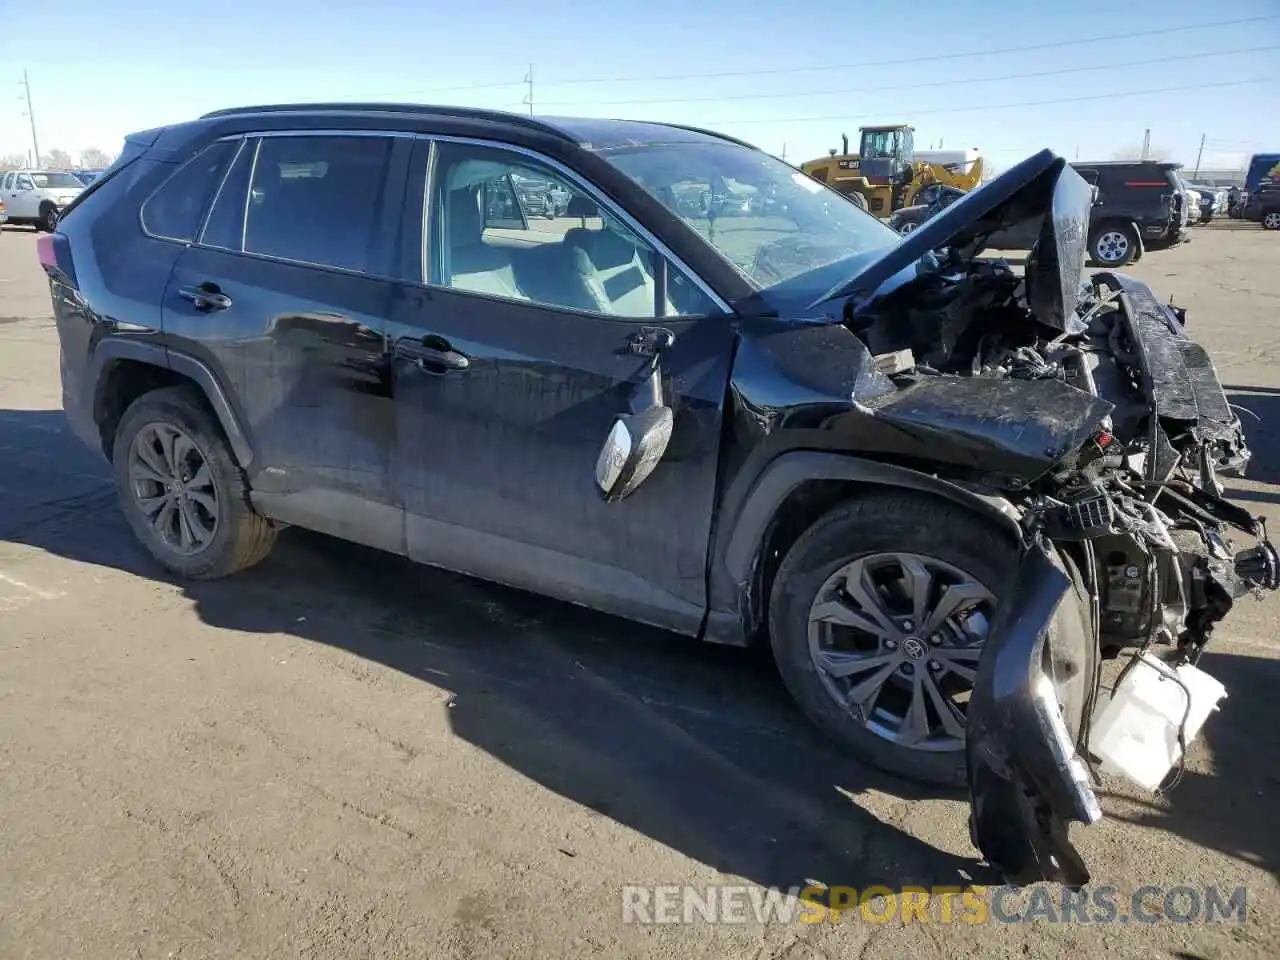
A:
(6, 182)
(174, 211)
(24, 182)
(225, 226)
(316, 199)
(507, 225)
(1089, 176)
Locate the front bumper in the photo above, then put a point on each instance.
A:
(1026, 782)
(1027, 775)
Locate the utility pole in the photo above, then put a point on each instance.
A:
(1199, 155)
(784, 151)
(31, 114)
(528, 97)
(1146, 142)
(1077, 151)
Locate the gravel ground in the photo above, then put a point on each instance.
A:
(340, 754)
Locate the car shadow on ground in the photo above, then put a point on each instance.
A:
(1259, 411)
(693, 745)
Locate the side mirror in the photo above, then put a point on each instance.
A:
(631, 452)
(637, 440)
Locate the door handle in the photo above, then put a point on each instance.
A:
(207, 296)
(432, 355)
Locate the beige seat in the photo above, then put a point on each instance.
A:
(618, 275)
(473, 264)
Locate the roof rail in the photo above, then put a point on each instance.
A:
(708, 133)
(421, 109)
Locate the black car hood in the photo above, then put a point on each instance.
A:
(1042, 189)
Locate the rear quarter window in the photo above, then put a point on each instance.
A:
(175, 210)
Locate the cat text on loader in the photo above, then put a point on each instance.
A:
(884, 175)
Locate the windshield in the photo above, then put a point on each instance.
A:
(878, 143)
(56, 180)
(764, 216)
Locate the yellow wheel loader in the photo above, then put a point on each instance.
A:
(884, 175)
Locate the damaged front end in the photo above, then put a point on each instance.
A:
(1085, 406)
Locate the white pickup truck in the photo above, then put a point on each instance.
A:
(37, 196)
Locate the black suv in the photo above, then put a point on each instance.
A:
(1140, 204)
(941, 492)
(1137, 205)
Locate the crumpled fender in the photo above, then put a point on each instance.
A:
(1026, 782)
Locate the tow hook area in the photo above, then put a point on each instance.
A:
(1026, 782)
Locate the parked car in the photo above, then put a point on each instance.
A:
(939, 493)
(1268, 206)
(4, 214)
(36, 196)
(1213, 201)
(87, 176)
(1235, 202)
(1263, 168)
(933, 200)
(1136, 205)
(1191, 198)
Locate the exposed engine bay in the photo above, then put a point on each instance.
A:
(1085, 409)
(1139, 502)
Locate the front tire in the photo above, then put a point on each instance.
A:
(48, 221)
(1271, 220)
(911, 697)
(1113, 244)
(182, 491)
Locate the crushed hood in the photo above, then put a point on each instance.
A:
(1042, 194)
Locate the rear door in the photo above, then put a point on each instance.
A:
(513, 352)
(285, 297)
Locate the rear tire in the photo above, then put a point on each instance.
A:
(859, 200)
(48, 221)
(204, 527)
(1271, 220)
(1113, 244)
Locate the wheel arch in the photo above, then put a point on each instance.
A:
(789, 494)
(124, 369)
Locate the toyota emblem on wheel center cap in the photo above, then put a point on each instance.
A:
(913, 648)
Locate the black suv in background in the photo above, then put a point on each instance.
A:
(1139, 205)
(767, 418)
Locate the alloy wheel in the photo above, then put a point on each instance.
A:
(172, 487)
(1112, 247)
(908, 227)
(896, 639)
(1271, 221)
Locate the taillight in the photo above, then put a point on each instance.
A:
(54, 253)
(45, 253)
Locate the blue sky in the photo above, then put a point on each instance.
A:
(99, 71)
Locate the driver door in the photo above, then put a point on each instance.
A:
(511, 357)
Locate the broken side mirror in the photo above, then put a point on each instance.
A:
(632, 450)
(637, 440)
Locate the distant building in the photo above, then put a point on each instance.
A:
(1215, 178)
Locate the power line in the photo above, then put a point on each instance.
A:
(951, 81)
(999, 106)
(1048, 45)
